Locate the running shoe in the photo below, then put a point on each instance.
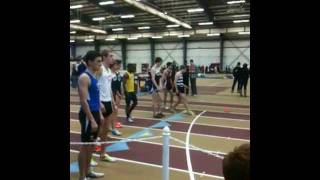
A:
(108, 158)
(118, 125)
(93, 174)
(93, 163)
(166, 108)
(115, 132)
(130, 120)
(97, 149)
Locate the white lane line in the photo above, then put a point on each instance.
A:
(204, 135)
(208, 117)
(191, 174)
(155, 143)
(155, 165)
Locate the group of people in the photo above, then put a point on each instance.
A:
(100, 93)
(169, 80)
(241, 76)
(99, 88)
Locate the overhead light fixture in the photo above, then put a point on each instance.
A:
(132, 38)
(76, 6)
(157, 13)
(172, 25)
(144, 27)
(246, 32)
(75, 21)
(127, 16)
(106, 3)
(214, 34)
(195, 10)
(110, 39)
(185, 35)
(73, 32)
(71, 40)
(156, 37)
(205, 23)
(98, 18)
(240, 21)
(83, 28)
(89, 40)
(236, 2)
(241, 15)
(117, 29)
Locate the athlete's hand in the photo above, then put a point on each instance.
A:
(103, 110)
(94, 126)
(115, 108)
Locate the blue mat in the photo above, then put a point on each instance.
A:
(118, 146)
(74, 167)
(160, 124)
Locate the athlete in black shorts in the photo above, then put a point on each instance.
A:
(180, 90)
(90, 113)
(167, 81)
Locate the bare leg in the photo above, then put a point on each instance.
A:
(82, 161)
(171, 98)
(154, 103)
(103, 134)
(165, 98)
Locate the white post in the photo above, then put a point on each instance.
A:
(165, 153)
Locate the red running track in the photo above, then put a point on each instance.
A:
(152, 153)
(183, 127)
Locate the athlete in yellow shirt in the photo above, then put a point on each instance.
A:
(130, 94)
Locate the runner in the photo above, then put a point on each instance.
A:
(180, 91)
(168, 84)
(116, 89)
(130, 94)
(90, 114)
(107, 101)
(156, 88)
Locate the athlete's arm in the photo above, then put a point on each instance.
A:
(84, 82)
(153, 75)
(176, 77)
(125, 77)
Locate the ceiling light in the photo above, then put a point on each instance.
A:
(73, 32)
(214, 34)
(110, 39)
(83, 28)
(132, 38)
(172, 25)
(157, 13)
(144, 27)
(75, 21)
(195, 10)
(98, 18)
(127, 16)
(205, 23)
(76, 6)
(72, 40)
(247, 32)
(89, 40)
(236, 2)
(156, 37)
(185, 35)
(117, 29)
(240, 21)
(106, 3)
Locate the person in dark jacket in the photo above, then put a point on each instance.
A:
(74, 76)
(244, 74)
(186, 80)
(235, 73)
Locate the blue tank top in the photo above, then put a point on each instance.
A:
(93, 94)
